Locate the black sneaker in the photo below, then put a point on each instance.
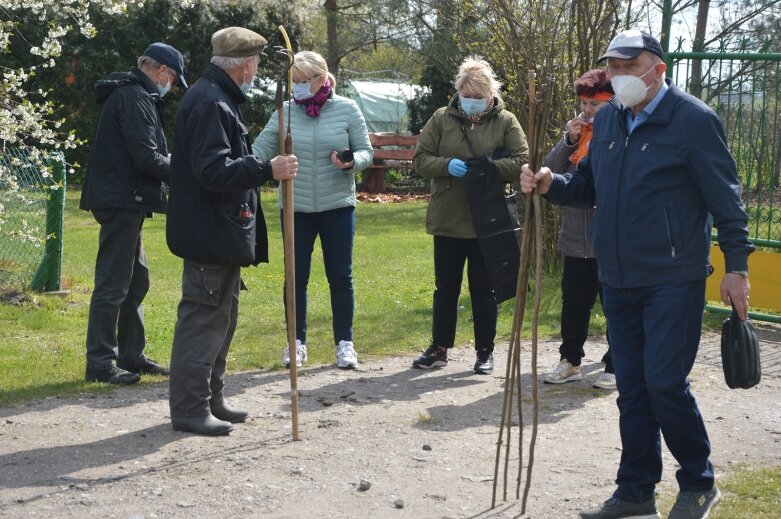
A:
(615, 508)
(149, 367)
(484, 365)
(695, 505)
(113, 375)
(433, 357)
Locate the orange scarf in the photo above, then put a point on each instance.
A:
(587, 131)
(585, 137)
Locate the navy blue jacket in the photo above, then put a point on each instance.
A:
(128, 160)
(654, 191)
(214, 214)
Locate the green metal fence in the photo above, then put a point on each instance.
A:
(32, 204)
(744, 88)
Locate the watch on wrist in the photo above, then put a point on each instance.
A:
(743, 273)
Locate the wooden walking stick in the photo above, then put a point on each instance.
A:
(286, 148)
(538, 119)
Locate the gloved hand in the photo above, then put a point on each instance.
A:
(456, 167)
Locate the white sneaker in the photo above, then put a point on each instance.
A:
(606, 381)
(346, 357)
(563, 372)
(300, 355)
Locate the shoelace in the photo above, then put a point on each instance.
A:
(346, 351)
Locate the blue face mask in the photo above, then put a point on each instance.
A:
(164, 89)
(301, 91)
(244, 86)
(472, 106)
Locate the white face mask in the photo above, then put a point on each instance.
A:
(629, 89)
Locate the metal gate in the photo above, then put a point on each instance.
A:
(744, 88)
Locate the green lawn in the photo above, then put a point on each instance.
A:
(42, 351)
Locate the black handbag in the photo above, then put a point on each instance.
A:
(740, 353)
(495, 218)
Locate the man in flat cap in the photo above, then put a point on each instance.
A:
(128, 166)
(657, 171)
(216, 225)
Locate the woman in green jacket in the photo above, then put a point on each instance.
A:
(474, 124)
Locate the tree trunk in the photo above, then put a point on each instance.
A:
(332, 31)
(695, 85)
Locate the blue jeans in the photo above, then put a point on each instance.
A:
(336, 229)
(655, 333)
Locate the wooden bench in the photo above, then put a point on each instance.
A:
(384, 159)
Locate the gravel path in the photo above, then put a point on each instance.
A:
(379, 441)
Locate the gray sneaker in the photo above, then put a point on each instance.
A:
(615, 508)
(695, 505)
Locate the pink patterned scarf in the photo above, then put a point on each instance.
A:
(316, 102)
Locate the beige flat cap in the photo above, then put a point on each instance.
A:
(237, 42)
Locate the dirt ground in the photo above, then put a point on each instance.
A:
(379, 441)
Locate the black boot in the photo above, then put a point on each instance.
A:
(206, 425)
(221, 410)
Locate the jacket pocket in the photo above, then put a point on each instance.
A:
(202, 284)
(439, 185)
(669, 221)
(236, 221)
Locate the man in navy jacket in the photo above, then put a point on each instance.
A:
(660, 174)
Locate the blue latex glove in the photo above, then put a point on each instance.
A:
(456, 167)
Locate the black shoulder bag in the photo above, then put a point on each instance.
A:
(740, 353)
(495, 218)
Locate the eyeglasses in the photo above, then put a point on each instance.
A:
(307, 81)
(174, 77)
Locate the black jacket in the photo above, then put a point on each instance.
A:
(128, 161)
(214, 214)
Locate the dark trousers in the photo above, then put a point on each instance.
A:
(336, 229)
(450, 254)
(655, 333)
(580, 287)
(206, 320)
(115, 328)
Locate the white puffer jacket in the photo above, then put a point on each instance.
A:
(319, 186)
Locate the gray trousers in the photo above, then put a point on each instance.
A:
(115, 330)
(206, 320)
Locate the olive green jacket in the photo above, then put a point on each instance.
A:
(442, 139)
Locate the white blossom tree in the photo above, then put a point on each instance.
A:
(28, 131)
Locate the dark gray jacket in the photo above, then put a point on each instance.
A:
(128, 162)
(575, 231)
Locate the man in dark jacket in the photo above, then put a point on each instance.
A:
(215, 223)
(658, 170)
(128, 165)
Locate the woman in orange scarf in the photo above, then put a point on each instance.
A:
(579, 283)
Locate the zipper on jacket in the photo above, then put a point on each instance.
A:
(669, 230)
(315, 183)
